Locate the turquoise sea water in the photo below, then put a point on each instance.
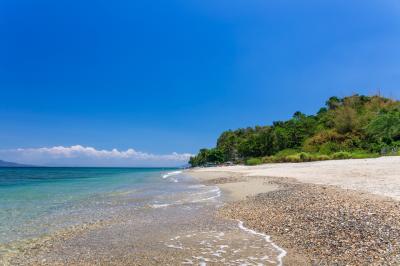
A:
(144, 211)
(34, 201)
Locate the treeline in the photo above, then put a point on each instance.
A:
(352, 127)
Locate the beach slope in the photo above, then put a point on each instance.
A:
(344, 212)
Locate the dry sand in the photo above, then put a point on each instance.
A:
(380, 176)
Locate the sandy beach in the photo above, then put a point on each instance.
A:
(379, 176)
(326, 213)
(331, 212)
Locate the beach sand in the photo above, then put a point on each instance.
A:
(190, 237)
(234, 186)
(324, 213)
(379, 176)
(330, 212)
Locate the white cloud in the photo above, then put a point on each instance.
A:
(87, 156)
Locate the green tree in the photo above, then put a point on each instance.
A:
(333, 103)
(385, 127)
(353, 123)
(346, 120)
(227, 143)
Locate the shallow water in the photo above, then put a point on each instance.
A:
(120, 216)
(34, 201)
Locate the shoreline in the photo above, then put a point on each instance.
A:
(351, 219)
(233, 185)
(187, 231)
(261, 218)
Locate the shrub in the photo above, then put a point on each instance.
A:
(341, 155)
(269, 159)
(322, 157)
(305, 157)
(280, 156)
(309, 157)
(254, 161)
(295, 158)
(286, 152)
(363, 155)
(298, 157)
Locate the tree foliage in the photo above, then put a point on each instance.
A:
(363, 124)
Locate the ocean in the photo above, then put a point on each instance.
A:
(34, 201)
(129, 214)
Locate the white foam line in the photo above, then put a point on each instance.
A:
(156, 206)
(197, 186)
(173, 246)
(213, 197)
(268, 239)
(209, 191)
(171, 174)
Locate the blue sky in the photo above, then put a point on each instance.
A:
(169, 76)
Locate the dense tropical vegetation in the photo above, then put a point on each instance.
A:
(351, 127)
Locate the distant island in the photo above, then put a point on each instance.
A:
(11, 164)
(356, 126)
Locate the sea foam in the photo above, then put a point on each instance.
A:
(171, 174)
(282, 252)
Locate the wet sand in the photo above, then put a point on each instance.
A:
(235, 186)
(191, 236)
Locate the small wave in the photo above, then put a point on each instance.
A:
(212, 194)
(156, 206)
(197, 186)
(171, 174)
(282, 252)
(217, 190)
(218, 194)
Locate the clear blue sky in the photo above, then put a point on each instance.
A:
(169, 76)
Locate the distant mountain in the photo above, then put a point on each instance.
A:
(10, 164)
